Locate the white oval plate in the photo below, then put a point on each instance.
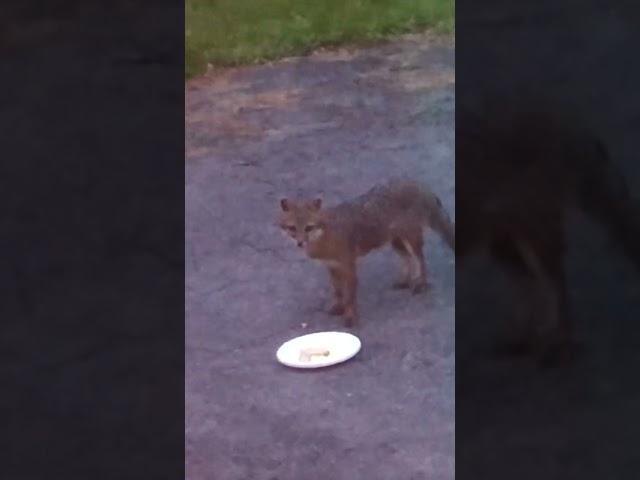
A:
(322, 349)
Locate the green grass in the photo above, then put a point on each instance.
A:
(234, 32)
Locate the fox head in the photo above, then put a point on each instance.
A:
(301, 220)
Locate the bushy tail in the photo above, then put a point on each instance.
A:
(428, 208)
(604, 195)
(440, 221)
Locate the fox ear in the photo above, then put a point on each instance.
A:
(284, 204)
(317, 203)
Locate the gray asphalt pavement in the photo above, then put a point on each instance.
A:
(333, 124)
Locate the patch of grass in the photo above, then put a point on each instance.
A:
(233, 32)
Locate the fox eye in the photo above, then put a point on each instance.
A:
(309, 228)
(291, 228)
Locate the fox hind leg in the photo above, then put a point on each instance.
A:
(410, 248)
(542, 307)
(554, 334)
(415, 245)
(405, 279)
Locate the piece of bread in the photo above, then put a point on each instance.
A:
(307, 353)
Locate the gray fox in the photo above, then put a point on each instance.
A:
(395, 213)
(517, 176)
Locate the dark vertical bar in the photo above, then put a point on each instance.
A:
(547, 223)
(92, 331)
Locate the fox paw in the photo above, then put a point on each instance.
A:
(337, 309)
(350, 321)
(351, 317)
(419, 287)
